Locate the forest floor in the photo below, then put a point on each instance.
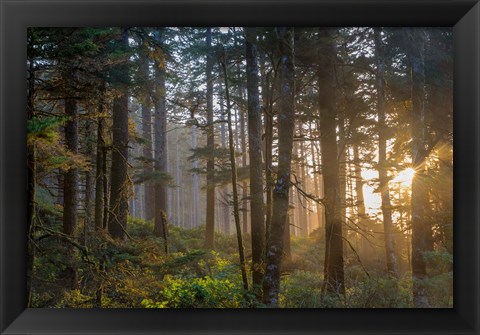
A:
(137, 273)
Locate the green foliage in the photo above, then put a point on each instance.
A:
(438, 262)
(379, 293)
(301, 289)
(48, 210)
(160, 177)
(183, 239)
(45, 128)
(186, 264)
(94, 65)
(308, 252)
(136, 273)
(439, 283)
(51, 154)
(206, 292)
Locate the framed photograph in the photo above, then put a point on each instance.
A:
(230, 167)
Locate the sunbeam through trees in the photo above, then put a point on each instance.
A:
(240, 167)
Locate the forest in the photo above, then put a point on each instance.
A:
(240, 167)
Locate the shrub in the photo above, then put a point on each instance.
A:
(379, 293)
(307, 253)
(204, 292)
(301, 289)
(439, 282)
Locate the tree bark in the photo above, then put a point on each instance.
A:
(286, 126)
(99, 177)
(89, 181)
(316, 184)
(210, 213)
(160, 221)
(106, 187)
(119, 190)
(70, 181)
(257, 218)
(360, 201)
(225, 205)
(195, 183)
(268, 141)
(178, 182)
(149, 198)
(382, 156)
(302, 203)
(362, 219)
(333, 268)
(233, 166)
(342, 166)
(243, 145)
(415, 43)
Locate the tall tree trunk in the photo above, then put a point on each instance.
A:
(333, 268)
(160, 222)
(70, 182)
(342, 167)
(303, 204)
(257, 218)
(268, 171)
(286, 126)
(233, 165)
(119, 190)
(59, 195)
(445, 156)
(195, 183)
(316, 184)
(149, 198)
(243, 145)
(360, 201)
(415, 43)
(99, 177)
(210, 214)
(169, 170)
(106, 187)
(89, 181)
(223, 137)
(245, 198)
(382, 156)
(268, 141)
(177, 181)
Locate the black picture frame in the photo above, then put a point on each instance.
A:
(16, 16)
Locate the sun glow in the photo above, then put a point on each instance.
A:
(372, 197)
(405, 177)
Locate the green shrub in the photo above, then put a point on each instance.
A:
(307, 253)
(379, 293)
(204, 292)
(182, 240)
(301, 289)
(439, 282)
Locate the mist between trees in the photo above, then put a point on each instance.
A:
(231, 167)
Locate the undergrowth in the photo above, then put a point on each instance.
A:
(137, 273)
